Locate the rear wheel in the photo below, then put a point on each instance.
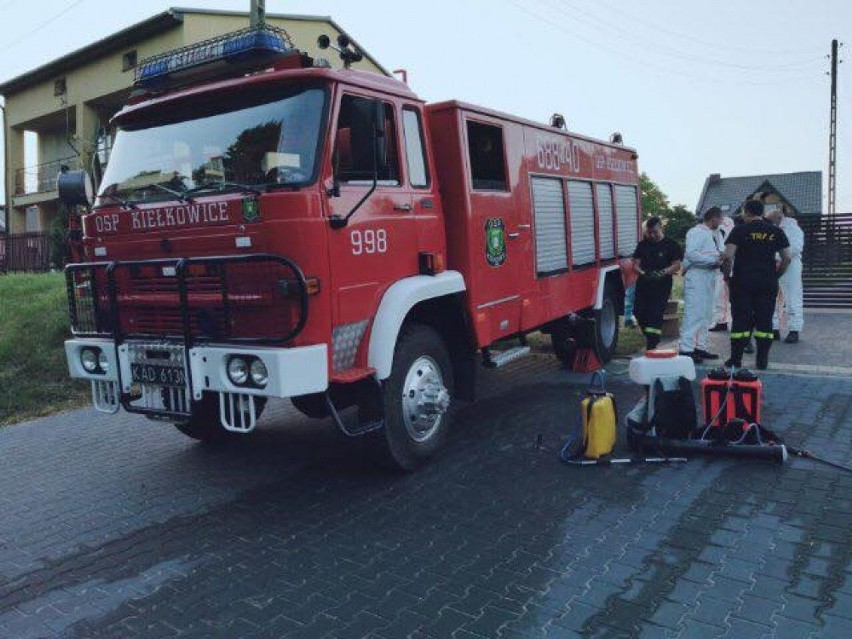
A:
(205, 424)
(416, 399)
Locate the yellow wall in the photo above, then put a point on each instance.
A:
(303, 33)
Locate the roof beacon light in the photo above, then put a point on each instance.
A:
(242, 50)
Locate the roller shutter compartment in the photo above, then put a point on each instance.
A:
(551, 251)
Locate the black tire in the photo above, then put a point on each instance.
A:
(559, 337)
(396, 443)
(205, 424)
(606, 325)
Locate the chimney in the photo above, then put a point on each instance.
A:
(714, 178)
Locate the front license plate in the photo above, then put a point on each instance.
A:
(157, 374)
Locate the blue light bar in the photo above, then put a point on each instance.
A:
(246, 46)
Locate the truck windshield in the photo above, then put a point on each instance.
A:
(253, 141)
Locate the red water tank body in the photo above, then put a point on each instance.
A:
(741, 400)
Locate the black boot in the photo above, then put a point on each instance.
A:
(737, 348)
(762, 359)
(776, 335)
(792, 337)
(721, 327)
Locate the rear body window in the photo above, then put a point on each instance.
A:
(487, 159)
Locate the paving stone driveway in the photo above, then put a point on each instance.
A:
(120, 527)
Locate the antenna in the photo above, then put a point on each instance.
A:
(349, 53)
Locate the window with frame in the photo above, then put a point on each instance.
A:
(487, 159)
(128, 60)
(415, 152)
(354, 153)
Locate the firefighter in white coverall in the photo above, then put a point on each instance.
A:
(722, 301)
(701, 262)
(791, 310)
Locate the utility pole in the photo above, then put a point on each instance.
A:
(832, 137)
(257, 17)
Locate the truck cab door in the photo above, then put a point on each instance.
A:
(378, 245)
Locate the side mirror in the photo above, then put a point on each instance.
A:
(379, 136)
(75, 188)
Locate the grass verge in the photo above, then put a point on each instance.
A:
(33, 325)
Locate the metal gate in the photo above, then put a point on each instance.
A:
(827, 261)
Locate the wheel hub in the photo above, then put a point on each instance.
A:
(425, 399)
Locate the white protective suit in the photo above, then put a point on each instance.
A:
(790, 308)
(722, 302)
(701, 268)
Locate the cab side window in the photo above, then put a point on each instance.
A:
(487, 162)
(415, 154)
(354, 152)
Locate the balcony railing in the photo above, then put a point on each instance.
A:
(42, 177)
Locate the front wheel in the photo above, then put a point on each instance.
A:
(205, 422)
(606, 325)
(416, 399)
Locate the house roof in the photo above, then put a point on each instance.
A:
(802, 190)
(128, 37)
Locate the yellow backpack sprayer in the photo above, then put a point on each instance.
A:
(594, 437)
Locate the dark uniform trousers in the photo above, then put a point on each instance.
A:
(652, 295)
(752, 308)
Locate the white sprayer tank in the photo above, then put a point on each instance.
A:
(661, 364)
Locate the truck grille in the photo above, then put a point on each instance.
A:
(257, 298)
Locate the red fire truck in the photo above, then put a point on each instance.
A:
(270, 227)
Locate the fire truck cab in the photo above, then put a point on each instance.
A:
(294, 231)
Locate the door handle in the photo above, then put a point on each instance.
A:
(402, 207)
(524, 226)
(514, 236)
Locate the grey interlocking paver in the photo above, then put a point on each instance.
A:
(116, 526)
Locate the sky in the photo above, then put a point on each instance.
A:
(723, 86)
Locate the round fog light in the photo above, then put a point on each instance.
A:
(259, 374)
(103, 362)
(89, 359)
(238, 370)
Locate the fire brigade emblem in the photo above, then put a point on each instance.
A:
(495, 241)
(251, 209)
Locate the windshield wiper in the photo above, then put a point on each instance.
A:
(221, 185)
(181, 195)
(124, 203)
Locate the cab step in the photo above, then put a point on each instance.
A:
(497, 359)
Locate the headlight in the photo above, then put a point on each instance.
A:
(89, 359)
(259, 374)
(238, 370)
(103, 362)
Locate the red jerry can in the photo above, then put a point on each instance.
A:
(724, 399)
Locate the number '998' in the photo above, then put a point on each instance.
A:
(369, 241)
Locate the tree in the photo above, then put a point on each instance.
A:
(654, 201)
(677, 220)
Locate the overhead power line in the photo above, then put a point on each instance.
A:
(691, 37)
(631, 57)
(40, 26)
(596, 22)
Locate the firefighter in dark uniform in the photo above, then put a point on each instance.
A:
(656, 259)
(752, 247)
